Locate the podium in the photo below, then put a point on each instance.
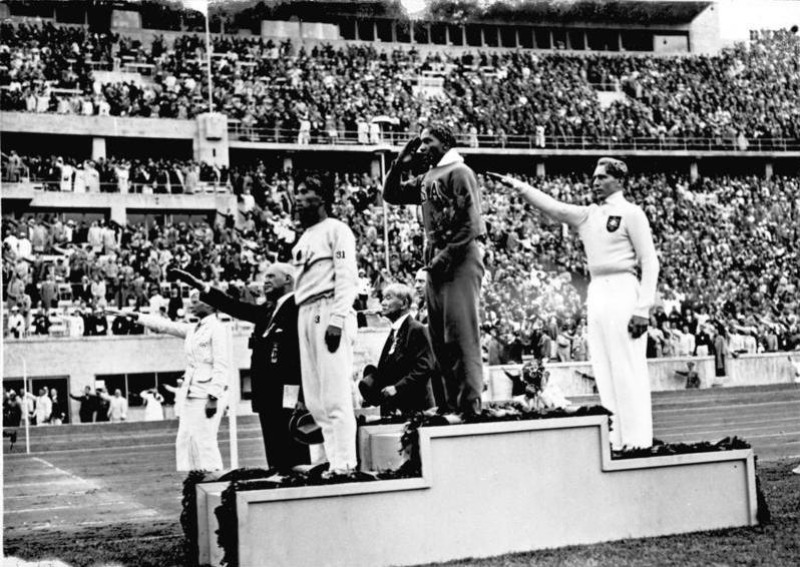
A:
(488, 489)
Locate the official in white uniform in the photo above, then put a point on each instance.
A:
(326, 285)
(209, 364)
(617, 239)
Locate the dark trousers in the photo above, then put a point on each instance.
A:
(454, 328)
(283, 452)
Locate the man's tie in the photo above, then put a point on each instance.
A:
(387, 348)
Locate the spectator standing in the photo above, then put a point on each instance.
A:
(721, 351)
(103, 405)
(44, 408)
(118, 406)
(88, 403)
(16, 323)
(153, 408)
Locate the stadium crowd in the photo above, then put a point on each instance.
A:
(115, 175)
(282, 92)
(728, 249)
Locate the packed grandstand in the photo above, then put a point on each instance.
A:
(281, 91)
(728, 243)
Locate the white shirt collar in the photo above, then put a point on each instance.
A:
(399, 323)
(282, 300)
(450, 157)
(206, 319)
(614, 198)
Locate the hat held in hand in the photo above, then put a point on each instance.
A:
(369, 388)
(304, 429)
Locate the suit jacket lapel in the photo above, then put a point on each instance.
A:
(400, 339)
(385, 352)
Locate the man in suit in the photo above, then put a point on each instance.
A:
(401, 381)
(275, 361)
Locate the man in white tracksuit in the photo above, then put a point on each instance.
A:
(326, 285)
(617, 238)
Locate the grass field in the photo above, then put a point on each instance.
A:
(160, 544)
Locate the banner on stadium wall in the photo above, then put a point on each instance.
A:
(299, 30)
(670, 43)
(197, 5)
(126, 19)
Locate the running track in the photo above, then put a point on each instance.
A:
(130, 478)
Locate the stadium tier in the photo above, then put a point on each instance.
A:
(355, 93)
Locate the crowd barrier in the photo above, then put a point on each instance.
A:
(80, 360)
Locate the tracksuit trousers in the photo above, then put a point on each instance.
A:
(454, 328)
(619, 361)
(328, 381)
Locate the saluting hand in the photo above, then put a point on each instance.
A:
(333, 336)
(407, 153)
(637, 326)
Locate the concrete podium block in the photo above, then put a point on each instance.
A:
(495, 488)
(379, 447)
(209, 497)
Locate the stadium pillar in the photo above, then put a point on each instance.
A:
(288, 165)
(98, 148)
(211, 139)
(447, 35)
(394, 32)
(375, 167)
(768, 170)
(541, 170)
(119, 214)
(693, 171)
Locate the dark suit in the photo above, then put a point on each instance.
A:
(275, 362)
(409, 368)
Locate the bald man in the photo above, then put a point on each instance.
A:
(617, 238)
(275, 362)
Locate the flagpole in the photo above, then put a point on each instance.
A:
(208, 65)
(385, 215)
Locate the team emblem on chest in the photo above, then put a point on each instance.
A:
(432, 190)
(612, 224)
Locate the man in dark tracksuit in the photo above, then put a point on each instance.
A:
(275, 362)
(451, 214)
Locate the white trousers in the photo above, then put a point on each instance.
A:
(196, 447)
(619, 362)
(327, 382)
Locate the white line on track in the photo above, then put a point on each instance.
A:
(63, 472)
(93, 505)
(15, 456)
(728, 407)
